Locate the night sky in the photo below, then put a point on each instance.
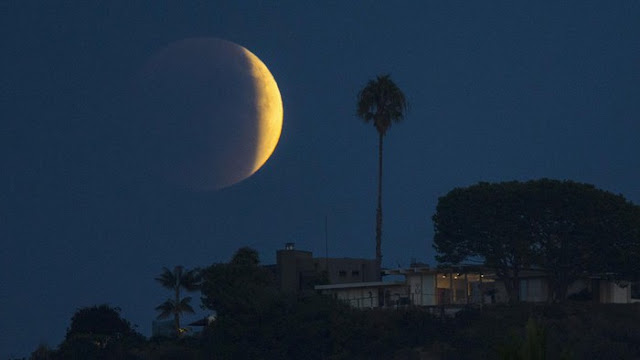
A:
(498, 91)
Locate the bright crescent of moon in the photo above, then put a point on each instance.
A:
(269, 104)
(211, 113)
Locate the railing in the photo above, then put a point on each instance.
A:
(419, 299)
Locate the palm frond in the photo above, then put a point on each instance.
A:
(382, 102)
(191, 280)
(166, 309)
(184, 306)
(167, 279)
(179, 278)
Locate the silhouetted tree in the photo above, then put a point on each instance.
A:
(567, 228)
(249, 306)
(484, 221)
(240, 286)
(42, 352)
(98, 332)
(176, 280)
(98, 320)
(381, 102)
(245, 256)
(578, 229)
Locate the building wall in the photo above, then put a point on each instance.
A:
(348, 270)
(293, 267)
(422, 289)
(298, 270)
(534, 290)
(367, 296)
(359, 298)
(429, 288)
(454, 288)
(610, 292)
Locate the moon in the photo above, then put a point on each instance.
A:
(211, 112)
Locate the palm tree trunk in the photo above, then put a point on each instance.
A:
(379, 210)
(176, 314)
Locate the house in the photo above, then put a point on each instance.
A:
(471, 285)
(297, 271)
(354, 280)
(421, 286)
(357, 281)
(462, 285)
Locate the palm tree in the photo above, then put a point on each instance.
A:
(382, 103)
(175, 280)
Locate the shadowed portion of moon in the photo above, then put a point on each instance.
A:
(211, 113)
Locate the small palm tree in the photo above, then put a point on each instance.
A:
(382, 103)
(175, 280)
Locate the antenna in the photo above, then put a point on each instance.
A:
(326, 244)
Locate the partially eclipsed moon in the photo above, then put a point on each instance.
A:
(270, 110)
(212, 113)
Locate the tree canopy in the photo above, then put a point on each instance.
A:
(239, 286)
(381, 102)
(567, 228)
(98, 332)
(99, 320)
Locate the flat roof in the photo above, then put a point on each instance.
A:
(401, 271)
(359, 285)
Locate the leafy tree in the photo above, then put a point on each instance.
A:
(567, 228)
(176, 280)
(580, 229)
(249, 306)
(486, 221)
(98, 332)
(381, 102)
(42, 352)
(240, 286)
(100, 320)
(245, 257)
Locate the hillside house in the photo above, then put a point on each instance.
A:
(471, 285)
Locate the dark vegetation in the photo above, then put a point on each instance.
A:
(571, 228)
(175, 281)
(256, 321)
(568, 229)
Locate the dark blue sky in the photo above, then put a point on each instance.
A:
(497, 91)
